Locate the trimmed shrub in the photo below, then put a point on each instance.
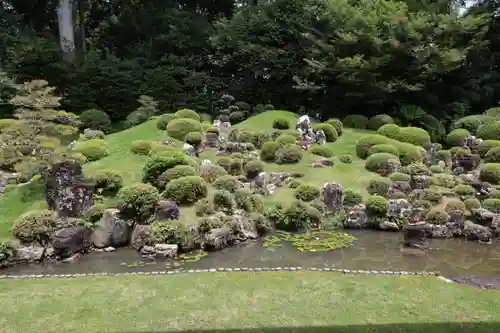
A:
(380, 162)
(253, 168)
(399, 176)
(415, 136)
(457, 137)
(493, 155)
(289, 154)
(299, 216)
(269, 150)
(188, 113)
(383, 148)
(228, 183)
(455, 205)
(286, 139)
(307, 192)
(492, 204)
(243, 198)
(173, 232)
(176, 172)
(426, 205)
(376, 205)
(321, 150)
(79, 158)
(489, 131)
(162, 161)
(443, 180)
(258, 139)
(378, 121)
(389, 130)
(295, 183)
(95, 119)
(36, 225)
(408, 153)
(469, 123)
(337, 124)
(93, 150)
(490, 172)
(211, 172)
(212, 129)
(225, 162)
(194, 138)
(94, 213)
(236, 117)
(417, 169)
(107, 182)
(141, 147)
(437, 215)
(89, 134)
(493, 112)
(436, 169)
(486, 145)
(281, 123)
(366, 142)
(138, 201)
(379, 186)
(355, 121)
(443, 155)
(330, 132)
(472, 203)
(186, 190)
(163, 121)
(347, 159)
(352, 197)
(224, 201)
(180, 127)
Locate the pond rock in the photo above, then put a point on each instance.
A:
(217, 239)
(401, 186)
(111, 230)
(71, 240)
(483, 216)
(246, 227)
(417, 214)
(356, 218)
(29, 253)
(333, 196)
(415, 235)
(399, 208)
(389, 226)
(167, 210)
(140, 236)
(438, 231)
(166, 250)
(478, 232)
(420, 182)
(456, 224)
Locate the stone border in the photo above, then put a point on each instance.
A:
(213, 270)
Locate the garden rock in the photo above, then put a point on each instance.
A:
(483, 216)
(140, 236)
(71, 240)
(189, 150)
(6, 178)
(417, 214)
(356, 218)
(456, 224)
(438, 231)
(217, 123)
(401, 186)
(326, 162)
(111, 230)
(29, 254)
(317, 165)
(217, 239)
(399, 209)
(477, 232)
(166, 250)
(303, 123)
(420, 182)
(333, 196)
(226, 125)
(415, 235)
(72, 259)
(389, 226)
(167, 210)
(320, 137)
(457, 171)
(211, 139)
(246, 228)
(278, 178)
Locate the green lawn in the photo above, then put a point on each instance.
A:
(258, 302)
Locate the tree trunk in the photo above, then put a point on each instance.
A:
(81, 22)
(66, 33)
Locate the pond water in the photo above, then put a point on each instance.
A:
(372, 251)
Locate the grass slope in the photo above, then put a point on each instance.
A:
(294, 302)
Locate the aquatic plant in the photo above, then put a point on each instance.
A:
(313, 241)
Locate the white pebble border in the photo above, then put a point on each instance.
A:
(213, 270)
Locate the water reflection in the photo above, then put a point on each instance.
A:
(372, 251)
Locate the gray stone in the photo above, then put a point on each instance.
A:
(420, 182)
(477, 232)
(111, 230)
(326, 162)
(415, 235)
(399, 209)
(401, 186)
(29, 253)
(217, 239)
(389, 226)
(356, 217)
(140, 236)
(483, 217)
(211, 139)
(166, 250)
(109, 249)
(320, 137)
(333, 197)
(73, 259)
(438, 231)
(189, 150)
(167, 210)
(71, 240)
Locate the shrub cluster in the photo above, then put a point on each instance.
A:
(492, 204)
(37, 225)
(355, 121)
(381, 162)
(268, 151)
(93, 150)
(379, 120)
(95, 119)
(188, 114)
(138, 201)
(160, 162)
(457, 137)
(493, 155)
(379, 186)
(236, 117)
(330, 132)
(469, 123)
(253, 168)
(486, 145)
(490, 172)
(376, 205)
(194, 138)
(489, 131)
(142, 147)
(163, 120)
(286, 139)
(383, 148)
(352, 197)
(347, 159)
(281, 123)
(176, 172)
(228, 183)
(178, 128)
(321, 150)
(107, 182)
(337, 124)
(307, 192)
(289, 154)
(211, 172)
(186, 190)
(299, 216)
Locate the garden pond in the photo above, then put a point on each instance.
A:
(362, 249)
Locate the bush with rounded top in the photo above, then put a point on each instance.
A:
(93, 150)
(94, 213)
(378, 121)
(236, 117)
(258, 139)
(281, 123)
(337, 124)
(469, 123)
(443, 180)
(399, 176)
(138, 201)
(379, 186)
(493, 155)
(486, 145)
(289, 154)
(352, 197)
(321, 150)
(212, 129)
(366, 142)
(490, 172)
(380, 162)
(376, 205)
(493, 112)
(437, 215)
(224, 201)
(225, 162)
(417, 169)
(347, 159)
(178, 128)
(295, 183)
(355, 121)
(307, 192)
(299, 215)
(443, 155)
(489, 131)
(330, 132)
(106, 181)
(194, 138)
(211, 172)
(389, 130)
(173, 232)
(414, 135)
(383, 148)
(268, 151)
(95, 119)
(253, 168)
(188, 114)
(408, 153)
(36, 225)
(79, 158)
(228, 183)
(186, 190)
(455, 205)
(89, 134)
(457, 137)
(286, 139)
(436, 169)
(160, 162)
(243, 198)
(472, 203)
(426, 205)
(176, 172)
(492, 204)
(163, 120)
(460, 151)
(141, 147)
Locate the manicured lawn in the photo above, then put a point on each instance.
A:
(237, 302)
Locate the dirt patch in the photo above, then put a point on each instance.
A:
(482, 282)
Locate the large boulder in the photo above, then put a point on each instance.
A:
(420, 182)
(356, 218)
(478, 232)
(438, 231)
(29, 254)
(166, 250)
(333, 196)
(217, 239)
(71, 240)
(456, 224)
(111, 230)
(246, 227)
(140, 236)
(415, 235)
(483, 216)
(167, 210)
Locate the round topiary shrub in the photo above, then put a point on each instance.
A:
(138, 201)
(307, 192)
(289, 154)
(432, 195)
(186, 190)
(281, 123)
(93, 150)
(141, 147)
(415, 136)
(486, 145)
(436, 169)
(366, 142)
(455, 205)
(379, 120)
(469, 123)
(107, 182)
(178, 128)
(224, 201)
(399, 177)
(355, 121)
(258, 139)
(337, 124)
(437, 215)
(489, 131)
(472, 203)
(95, 119)
(379, 186)
(163, 121)
(417, 169)
(269, 150)
(286, 139)
(457, 137)
(236, 117)
(194, 138)
(321, 150)
(36, 225)
(408, 153)
(490, 172)
(173, 232)
(94, 213)
(188, 114)
(376, 205)
(176, 172)
(383, 148)
(162, 161)
(492, 204)
(382, 163)
(493, 155)
(330, 132)
(89, 134)
(295, 183)
(253, 168)
(243, 198)
(352, 197)
(211, 172)
(228, 183)
(79, 158)
(443, 180)
(347, 159)
(390, 131)
(225, 162)
(299, 216)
